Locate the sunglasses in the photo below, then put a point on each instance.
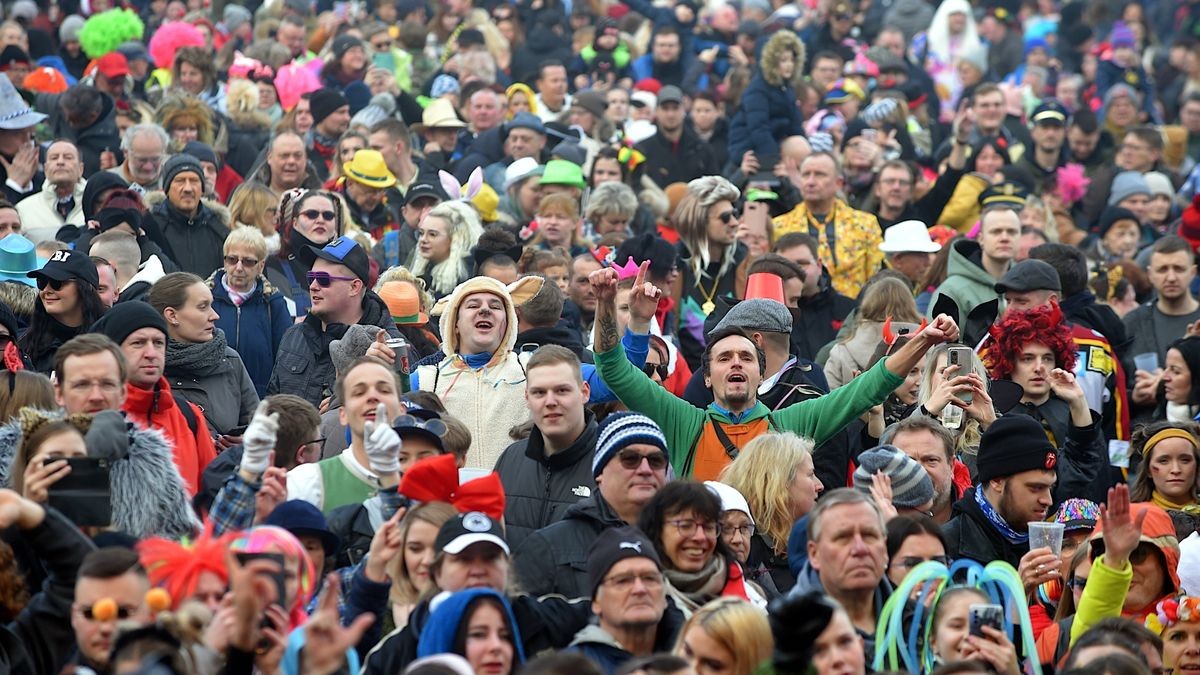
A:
(233, 260)
(1140, 553)
(728, 217)
(56, 284)
(435, 427)
(325, 279)
(313, 214)
(632, 459)
(123, 613)
(651, 368)
(382, 45)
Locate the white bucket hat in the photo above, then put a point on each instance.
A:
(909, 236)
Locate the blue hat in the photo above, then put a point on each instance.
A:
(346, 251)
(17, 257)
(620, 430)
(524, 120)
(305, 520)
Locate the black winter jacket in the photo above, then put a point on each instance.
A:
(970, 535)
(544, 624)
(539, 488)
(668, 162)
(1083, 469)
(818, 320)
(195, 243)
(303, 366)
(554, 559)
(92, 141)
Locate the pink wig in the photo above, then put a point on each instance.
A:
(293, 81)
(169, 38)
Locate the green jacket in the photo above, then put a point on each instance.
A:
(967, 283)
(1104, 597)
(681, 422)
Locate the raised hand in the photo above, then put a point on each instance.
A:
(981, 407)
(382, 443)
(644, 298)
(272, 493)
(1064, 386)
(40, 474)
(1121, 532)
(881, 492)
(258, 441)
(943, 329)
(604, 284)
(325, 638)
(385, 546)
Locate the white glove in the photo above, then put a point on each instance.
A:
(259, 440)
(382, 443)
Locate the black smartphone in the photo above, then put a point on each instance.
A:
(984, 615)
(279, 577)
(236, 431)
(85, 494)
(961, 357)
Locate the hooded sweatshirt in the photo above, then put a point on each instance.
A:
(967, 283)
(450, 616)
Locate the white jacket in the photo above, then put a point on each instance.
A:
(39, 217)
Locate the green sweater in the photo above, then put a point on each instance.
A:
(681, 422)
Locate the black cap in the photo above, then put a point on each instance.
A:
(1049, 112)
(127, 317)
(1029, 275)
(66, 265)
(1112, 215)
(617, 544)
(346, 251)
(424, 190)
(465, 529)
(426, 424)
(1008, 193)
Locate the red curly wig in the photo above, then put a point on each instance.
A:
(176, 566)
(1041, 325)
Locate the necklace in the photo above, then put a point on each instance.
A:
(708, 305)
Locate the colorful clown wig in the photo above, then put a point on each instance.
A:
(170, 38)
(1041, 325)
(271, 539)
(902, 635)
(102, 33)
(176, 566)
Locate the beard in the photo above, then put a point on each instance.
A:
(1009, 512)
(738, 399)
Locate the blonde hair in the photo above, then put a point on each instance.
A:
(250, 201)
(464, 231)
(249, 237)
(739, 627)
(969, 435)
(762, 473)
(401, 273)
(691, 219)
(403, 591)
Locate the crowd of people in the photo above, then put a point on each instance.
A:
(598, 337)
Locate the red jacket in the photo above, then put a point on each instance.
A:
(156, 409)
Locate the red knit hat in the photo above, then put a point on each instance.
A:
(1189, 223)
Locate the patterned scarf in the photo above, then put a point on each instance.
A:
(997, 522)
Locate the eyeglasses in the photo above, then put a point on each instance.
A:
(632, 459)
(56, 284)
(313, 214)
(687, 527)
(123, 613)
(651, 368)
(746, 530)
(379, 46)
(233, 260)
(325, 279)
(911, 561)
(728, 217)
(1078, 583)
(318, 441)
(624, 582)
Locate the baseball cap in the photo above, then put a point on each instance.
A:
(643, 99)
(113, 65)
(469, 528)
(424, 191)
(67, 265)
(670, 94)
(346, 251)
(1029, 275)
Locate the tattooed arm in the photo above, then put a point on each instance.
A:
(604, 285)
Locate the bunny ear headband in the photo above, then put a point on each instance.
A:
(456, 191)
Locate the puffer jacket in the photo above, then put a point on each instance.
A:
(195, 243)
(540, 487)
(222, 390)
(302, 364)
(554, 559)
(768, 112)
(967, 283)
(255, 328)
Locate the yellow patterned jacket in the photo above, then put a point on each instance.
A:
(855, 254)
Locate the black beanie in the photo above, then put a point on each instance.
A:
(616, 545)
(98, 183)
(178, 164)
(1013, 444)
(126, 317)
(324, 102)
(1110, 215)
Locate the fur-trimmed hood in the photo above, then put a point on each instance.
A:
(222, 212)
(780, 42)
(268, 288)
(518, 293)
(148, 494)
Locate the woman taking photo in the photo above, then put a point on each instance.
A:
(1167, 474)
(200, 365)
(727, 636)
(683, 520)
(67, 304)
(251, 312)
(941, 384)
(775, 474)
(444, 243)
(308, 219)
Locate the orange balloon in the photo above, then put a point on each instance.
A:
(158, 600)
(105, 609)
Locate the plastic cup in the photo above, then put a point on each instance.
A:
(1147, 362)
(1046, 535)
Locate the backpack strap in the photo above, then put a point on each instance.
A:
(730, 448)
(185, 407)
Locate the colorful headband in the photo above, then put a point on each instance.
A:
(631, 159)
(1167, 613)
(890, 338)
(1163, 435)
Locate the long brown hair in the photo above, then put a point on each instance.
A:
(1142, 489)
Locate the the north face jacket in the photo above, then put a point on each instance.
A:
(554, 559)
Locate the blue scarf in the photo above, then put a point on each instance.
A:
(997, 522)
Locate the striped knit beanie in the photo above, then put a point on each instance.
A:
(622, 429)
(911, 486)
